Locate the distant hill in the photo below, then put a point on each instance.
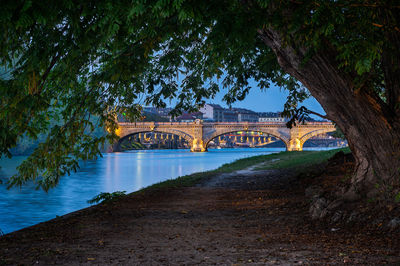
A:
(152, 117)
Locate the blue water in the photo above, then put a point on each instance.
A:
(129, 171)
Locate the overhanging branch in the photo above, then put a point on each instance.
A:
(308, 111)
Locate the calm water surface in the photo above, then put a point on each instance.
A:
(130, 171)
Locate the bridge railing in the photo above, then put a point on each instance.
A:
(155, 123)
(280, 124)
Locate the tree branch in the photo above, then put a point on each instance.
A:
(308, 111)
(47, 72)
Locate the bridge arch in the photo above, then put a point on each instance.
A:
(267, 132)
(132, 132)
(314, 133)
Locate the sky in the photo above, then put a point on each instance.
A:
(270, 100)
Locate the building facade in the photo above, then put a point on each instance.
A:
(271, 117)
(216, 113)
(229, 116)
(245, 115)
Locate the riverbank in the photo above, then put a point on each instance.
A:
(254, 211)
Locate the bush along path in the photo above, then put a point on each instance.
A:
(255, 211)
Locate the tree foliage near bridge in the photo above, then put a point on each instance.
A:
(69, 61)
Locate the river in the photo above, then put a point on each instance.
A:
(129, 171)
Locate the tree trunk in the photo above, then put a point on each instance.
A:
(370, 126)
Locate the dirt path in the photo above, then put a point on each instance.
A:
(247, 217)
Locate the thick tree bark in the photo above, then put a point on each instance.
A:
(370, 126)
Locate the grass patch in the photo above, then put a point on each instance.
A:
(193, 179)
(300, 159)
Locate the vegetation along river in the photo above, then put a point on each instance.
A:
(125, 171)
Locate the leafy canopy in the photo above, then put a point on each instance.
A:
(81, 63)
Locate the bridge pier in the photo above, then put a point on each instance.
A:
(294, 145)
(198, 143)
(198, 146)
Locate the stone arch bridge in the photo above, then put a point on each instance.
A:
(198, 133)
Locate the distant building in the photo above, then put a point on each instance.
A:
(212, 112)
(271, 117)
(229, 116)
(189, 117)
(245, 115)
(216, 113)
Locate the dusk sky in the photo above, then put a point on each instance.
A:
(270, 100)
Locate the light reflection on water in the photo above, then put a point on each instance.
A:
(130, 171)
